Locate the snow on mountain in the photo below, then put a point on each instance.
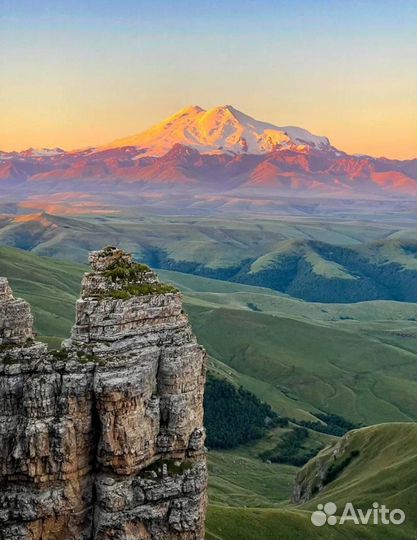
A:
(42, 152)
(219, 130)
(221, 149)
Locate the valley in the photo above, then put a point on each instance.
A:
(352, 359)
(208, 270)
(315, 259)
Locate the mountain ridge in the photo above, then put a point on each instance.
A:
(221, 149)
(220, 129)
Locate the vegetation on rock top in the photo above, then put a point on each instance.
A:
(140, 289)
(131, 278)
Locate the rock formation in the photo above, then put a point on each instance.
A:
(317, 473)
(104, 438)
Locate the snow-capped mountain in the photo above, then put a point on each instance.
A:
(221, 149)
(219, 130)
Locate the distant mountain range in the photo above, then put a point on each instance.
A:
(221, 149)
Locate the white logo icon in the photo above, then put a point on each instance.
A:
(324, 514)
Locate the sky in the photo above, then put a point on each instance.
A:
(83, 73)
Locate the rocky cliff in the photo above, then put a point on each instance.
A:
(104, 438)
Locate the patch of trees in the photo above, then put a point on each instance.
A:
(294, 275)
(234, 416)
(338, 466)
(334, 424)
(290, 449)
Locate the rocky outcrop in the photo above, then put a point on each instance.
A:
(15, 318)
(103, 439)
(323, 468)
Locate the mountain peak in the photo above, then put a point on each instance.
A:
(218, 130)
(191, 109)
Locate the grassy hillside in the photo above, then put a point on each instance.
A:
(216, 293)
(323, 272)
(226, 523)
(303, 358)
(311, 258)
(50, 286)
(212, 242)
(298, 365)
(240, 478)
(384, 471)
(355, 360)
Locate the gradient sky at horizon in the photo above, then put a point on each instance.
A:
(78, 73)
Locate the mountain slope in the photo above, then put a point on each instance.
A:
(384, 471)
(287, 257)
(299, 366)
(220, 129)
(299, 357)
(321, 272)
(372, 472)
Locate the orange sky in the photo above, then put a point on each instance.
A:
(77, 76)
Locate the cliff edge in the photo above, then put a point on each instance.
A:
(104, 438)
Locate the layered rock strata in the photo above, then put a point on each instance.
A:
(104, 438)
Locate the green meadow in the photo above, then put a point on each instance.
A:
(355, 360)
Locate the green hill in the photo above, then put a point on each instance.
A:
(323, 272)
(338, 358)
(51, 287)
(355, 360)
(297, 365)
(315, 259)
(384, 471)
(376, 463)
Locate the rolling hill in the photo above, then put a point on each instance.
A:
(316, 260)
(299, 357)
(381, 472)
(320, 272)
(366, 371)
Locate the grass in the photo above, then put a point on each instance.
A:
(240, 478)
(214, 242)
(312, 359)
(360, 368)
(311, 366)
(225, 523)
(312, 258)
(385, 470)
(51, 287)
(215, 293)
(140, 289)
(319, 265)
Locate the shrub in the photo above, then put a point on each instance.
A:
(338, 466)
